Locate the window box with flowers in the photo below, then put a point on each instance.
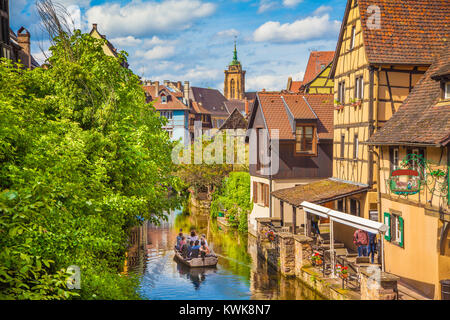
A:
(342, 271)
(356, 102)
(270, 236)
(338, 105)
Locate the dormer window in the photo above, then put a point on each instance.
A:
(305, 139)
(447, 90)
(163, 99)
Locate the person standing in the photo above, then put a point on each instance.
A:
(372, 246)
(361, 240)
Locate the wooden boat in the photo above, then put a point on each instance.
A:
(210, 261)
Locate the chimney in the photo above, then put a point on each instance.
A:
(23, 37)
(94, 26)
(246, 106)
(289, 83)
(263, 90)
(186, 90)
(179, 85)
(166, 83)
(157, 88)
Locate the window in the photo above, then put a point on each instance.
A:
(261, 193)
(355, 147)
(342, 145)
(447, 90)
(355, 3)
(341, 92)
(394, 158)
(418, 165)
(305, 139)
(167, 114)
(396, 227)
(359, 88)
(352, 43)
(232, 89)
(322, 66)
(354, 207)
(340, 205)
(170, 132)
(163, 99)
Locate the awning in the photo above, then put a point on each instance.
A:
(319, 192)
(345, 218)
(349, 220)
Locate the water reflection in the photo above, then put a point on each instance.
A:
(239, 273)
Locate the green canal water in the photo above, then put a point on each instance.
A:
(240, 274)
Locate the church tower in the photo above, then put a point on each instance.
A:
(234, 86)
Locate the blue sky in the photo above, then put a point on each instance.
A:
(193, 39)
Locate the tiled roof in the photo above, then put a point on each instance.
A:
(235, 104)
(323, 106)
(235, 121)
(250, 96)
(198, 109)
(411, 32)
(210, 99)
(315, 62)
(317, 107)
(295, 86)
(318, 192)
(172, 101)
(424, 117)
(275, 114)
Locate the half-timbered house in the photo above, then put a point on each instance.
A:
(414, 182)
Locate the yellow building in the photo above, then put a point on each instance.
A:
(379, 58)
(108, 48)
(414, 174)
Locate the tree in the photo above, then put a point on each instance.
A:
(82, 159)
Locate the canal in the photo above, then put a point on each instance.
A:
(240, 274)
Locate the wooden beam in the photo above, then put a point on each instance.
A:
(390, 93)
(294, 219)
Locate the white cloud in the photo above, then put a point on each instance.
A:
(299, 30)
(265, 5)
(291, 3)
(227, 33)
(143, 18)
(128, 41)
(67, 3)
(272, 82)
(74, 16)
(321, 10)
(158, 52)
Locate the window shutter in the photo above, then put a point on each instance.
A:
(401, 228)
(266, 198)
(387, 221)
(255, 192)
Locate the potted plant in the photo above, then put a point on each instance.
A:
(316, 259)
(342, 271)
(270, 235)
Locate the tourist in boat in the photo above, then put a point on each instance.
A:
(182, 242)
(185, 250)
(193, 236)
(179, 237)
(361, 240)
(372, 246)
(204, 250)
(203, 238)
(195, 250)
(191, 244)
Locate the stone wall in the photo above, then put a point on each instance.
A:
(377, 285)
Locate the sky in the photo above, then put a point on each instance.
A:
(193, 40)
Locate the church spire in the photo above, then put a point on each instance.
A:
(235, 59)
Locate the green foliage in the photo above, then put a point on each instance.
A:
(233, 198)
(82, 156)
(207, 176)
